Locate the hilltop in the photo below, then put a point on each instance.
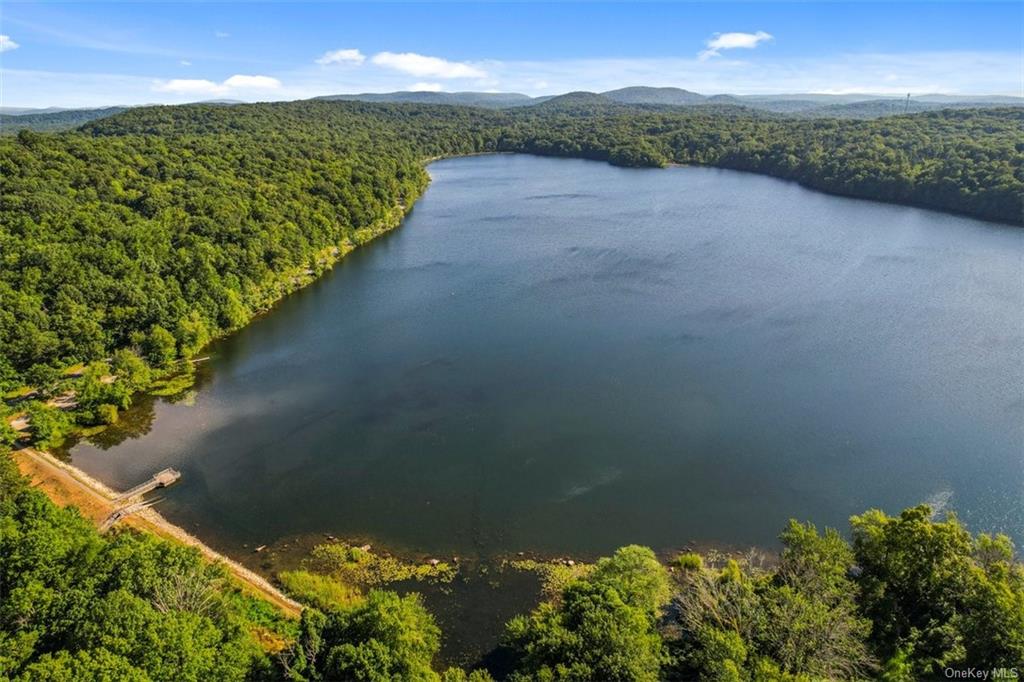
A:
(648, 95)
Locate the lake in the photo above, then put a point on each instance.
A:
(561, 357)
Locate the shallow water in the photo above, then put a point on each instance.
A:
(561, 356)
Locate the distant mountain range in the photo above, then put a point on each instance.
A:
(491, 100)
(804, 105)
(842, 106)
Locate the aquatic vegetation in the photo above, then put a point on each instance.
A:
(555, 574)
(320, 591)
(362, 567)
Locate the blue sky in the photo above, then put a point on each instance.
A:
(90, 54)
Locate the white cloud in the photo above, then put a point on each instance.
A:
(200, 86)
(424, 66)
(252, 83)
(349, 56)
(732, 41)
(6, 44)
(426, 87)
(221, 34)
(187, 86)
(185, 62)
(952, 72)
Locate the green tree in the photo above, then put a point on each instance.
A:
(9, 379)
(602, 627)
(130, 369)
(44, 379)
(916, 577)
(993, 623)
(160, 347)
(388, 637)
(98, 665)
(192, 334)
(49, 426)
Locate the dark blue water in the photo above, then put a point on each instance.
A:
(563, 356)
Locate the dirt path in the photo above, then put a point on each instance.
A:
(66, 485)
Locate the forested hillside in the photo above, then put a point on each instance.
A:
(162, 227)
(968, 161)
(53, 120)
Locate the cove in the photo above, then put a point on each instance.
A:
(561, 356)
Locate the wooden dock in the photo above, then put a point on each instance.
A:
(160, 479)
(123, 512)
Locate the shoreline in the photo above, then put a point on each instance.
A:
(907, 203)
(69, 486)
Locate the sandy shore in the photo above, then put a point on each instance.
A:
(69, 486)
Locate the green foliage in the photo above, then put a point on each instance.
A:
(460, 675)
(358, 567)
(160, 347)
(58, 120)
(9, 379)
(919, 594)
(636, 575)
(720, 654)
(807, 619)
(98, 386)
(935, 595)
(106, 414)
(689, 562)
(387, 637)
(80, 606)
(49, 426)
(98, 665)
(898, 668)
(131, 370)
(993, 623)
(320, 591)
(141, 237)
(44, 378)
(555, 576)
(8, 436)
(740, 623)
(602, 627)
(192, 334)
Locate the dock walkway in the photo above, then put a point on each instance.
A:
(160, 479)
